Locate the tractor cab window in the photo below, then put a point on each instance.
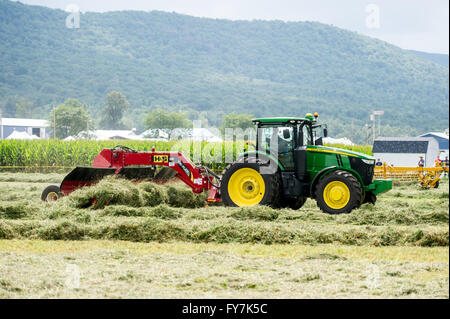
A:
(304, 135)
(280, 138)
(319, 133)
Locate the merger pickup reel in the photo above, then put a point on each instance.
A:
(289, 165)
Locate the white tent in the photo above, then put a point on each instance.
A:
(343, 140)
(101, 135)
(196, 134)
(155, 134)
(16, 135)
(204, 134)
(116, 135)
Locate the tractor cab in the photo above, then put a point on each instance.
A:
(280, 137)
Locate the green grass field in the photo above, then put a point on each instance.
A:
(162, 242)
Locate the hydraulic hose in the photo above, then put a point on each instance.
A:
(208, 172)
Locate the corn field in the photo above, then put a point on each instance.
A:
(58, 153)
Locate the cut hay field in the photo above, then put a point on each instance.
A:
(154, 241)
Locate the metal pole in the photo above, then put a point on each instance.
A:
(353, 137)
(373, 129)
(54, 122)
(379, 125)
(367, 128)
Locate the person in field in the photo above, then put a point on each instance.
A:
(438, 162)
(445, 165)
(421, 162)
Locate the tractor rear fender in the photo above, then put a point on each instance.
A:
(328, 170)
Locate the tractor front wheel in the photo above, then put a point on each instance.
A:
(339, 192)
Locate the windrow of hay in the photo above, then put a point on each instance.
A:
(117, 191)
(13, 210)
(256, 213)
(125, 210)
(161, 211)
(155, 229)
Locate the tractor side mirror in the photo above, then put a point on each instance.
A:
(325, 132)
(319, 141)
(286, 134)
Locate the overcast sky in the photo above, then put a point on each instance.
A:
(411, 24)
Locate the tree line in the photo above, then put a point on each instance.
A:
(72, 117)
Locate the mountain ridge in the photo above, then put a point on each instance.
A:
(438, 58)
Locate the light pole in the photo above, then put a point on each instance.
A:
(54, 122)
(372, 118)
(367, 128)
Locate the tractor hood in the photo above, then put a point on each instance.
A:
(327, 149)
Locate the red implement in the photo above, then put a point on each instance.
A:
(135, 165)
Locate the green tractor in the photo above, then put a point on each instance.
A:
(290, 164)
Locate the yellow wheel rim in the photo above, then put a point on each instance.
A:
(336, 195)
(246, 187)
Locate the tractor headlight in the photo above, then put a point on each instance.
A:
(368, 162)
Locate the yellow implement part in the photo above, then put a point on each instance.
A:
(427, 176)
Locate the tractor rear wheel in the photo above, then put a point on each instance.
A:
(338, 192)
(243, 185)
(51, 193)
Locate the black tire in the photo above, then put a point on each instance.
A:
(436, 185)
(49, 190)
(272, 183)
(354, 187)
(294, 203)
(370, 198)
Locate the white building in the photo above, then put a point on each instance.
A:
(32, 127)
(406, 151)
(442, 139)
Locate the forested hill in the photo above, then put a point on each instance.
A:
(438, 58)
(210, 67)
